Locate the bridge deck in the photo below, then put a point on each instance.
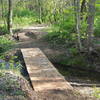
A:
(43, 75)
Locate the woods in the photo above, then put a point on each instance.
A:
(66, 31)
(55, 12)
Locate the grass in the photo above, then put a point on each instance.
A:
(23, 21)
(24, 17)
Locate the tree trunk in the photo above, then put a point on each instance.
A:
(2, 8)
(83, 6)
(90, 24)
(10, 8)
(40, 11)
(77, 19)
(83, 9)
(1, 1)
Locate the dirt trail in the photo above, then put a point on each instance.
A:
(32, 37)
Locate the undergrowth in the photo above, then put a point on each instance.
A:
(96, 92)
(5, 44)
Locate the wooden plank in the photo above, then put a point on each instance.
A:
(43, 75)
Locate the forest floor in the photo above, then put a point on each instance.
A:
(32, 37)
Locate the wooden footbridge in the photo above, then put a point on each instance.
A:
(43, 75)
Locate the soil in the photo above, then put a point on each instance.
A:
(14, 87)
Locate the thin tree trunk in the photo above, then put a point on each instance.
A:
(1, 1)
(40, 11)
(54, 12)
(83, 6)
(90, 23)
(3, 17)
(40, 14)
(77, 18)
(10, 8)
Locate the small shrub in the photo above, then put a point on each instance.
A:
(3, 30)
(73, 51)
(9, 63)
(97, 27)
(75, 59)
(5, 44)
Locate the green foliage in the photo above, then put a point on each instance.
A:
(4, 40)
(5, 44)
(19, 92)
(10, 64)
(96, 93)
(23, 21)
(1, 74)
(73, 51)
(54, 37)
(3, 30)
(23, 12)
(75, 59)
(63, 20)
(62, 32)
(97, 27)
(23, 16)
(78, 61)
(97, 19)
(66, 28)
